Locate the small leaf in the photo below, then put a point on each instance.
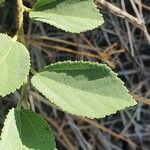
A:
(83, 88)
(70, 15)
(14, 64)
(25, 130)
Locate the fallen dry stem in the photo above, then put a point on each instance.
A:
(104, 129)
(120, 13)
(140, 99)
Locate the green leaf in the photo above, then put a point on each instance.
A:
(2, 2)
(70, 15)
(83, 88)
(25, 130)
(14, 64)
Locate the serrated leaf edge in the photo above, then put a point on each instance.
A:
(96, 64)
(18, 87)
(42, 119)
(67, 31)
(3, 129)
(101, 21)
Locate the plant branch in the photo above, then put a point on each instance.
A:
(20, 30)
(20, 37)
(22, 100)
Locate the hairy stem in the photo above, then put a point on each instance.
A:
(22, 101)
(20, 37)
(20, 31)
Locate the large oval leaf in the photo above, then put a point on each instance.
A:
(25, 130)
(69, 15)
(14, 64)
(83, 88)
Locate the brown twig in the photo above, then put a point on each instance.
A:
(103, 55)
(120, 13)
(104, 129)
(140, 99)
(61, 133)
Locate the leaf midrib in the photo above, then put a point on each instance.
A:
(33, 128)
(57, 14)
(113, 111)
(9, 50)
(77, 88)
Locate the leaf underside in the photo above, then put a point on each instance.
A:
(25, 130)
(70, 15)
(83, 88)
(14, 64)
